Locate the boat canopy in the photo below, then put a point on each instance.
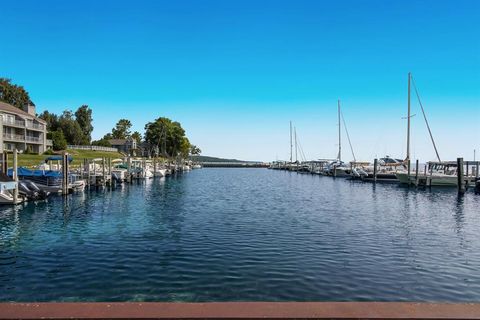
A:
(58, 158)
(24, 172)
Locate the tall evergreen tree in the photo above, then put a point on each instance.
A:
(83, 116)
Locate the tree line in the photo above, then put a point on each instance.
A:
(162, 137)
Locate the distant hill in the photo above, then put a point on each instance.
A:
(215, 159)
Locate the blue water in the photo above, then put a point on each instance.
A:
(244, 235)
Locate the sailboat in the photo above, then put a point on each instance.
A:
(439, 173)
(337, 168)
(292, 166)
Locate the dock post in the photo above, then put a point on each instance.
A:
(5, 162)
(416, 173)
(15, 175)
(109, 164)
(89, 176)
(461, 187)
(154, 166)
(104, 173)
(375, 162)
(409, 167)
(467, 175)
(476, 170)
(84, 170)
(80, 170)
(129, 170)
(431, 174)
(65, 173)
(94, 173)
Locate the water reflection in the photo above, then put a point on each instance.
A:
(243, 234)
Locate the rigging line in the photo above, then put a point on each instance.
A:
(425, 117)
(348, 136)
(302, 154)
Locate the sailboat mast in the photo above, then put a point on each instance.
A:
(291, 143)
(408, 120)
(296, 147)
(339, 135)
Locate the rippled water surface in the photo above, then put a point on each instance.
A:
(244, 234)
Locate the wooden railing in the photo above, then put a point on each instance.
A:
(240, 310)
(92, 148)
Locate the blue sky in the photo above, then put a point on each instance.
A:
(235, 72)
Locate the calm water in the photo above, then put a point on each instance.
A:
(244, 234)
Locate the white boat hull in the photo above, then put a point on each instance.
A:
(436, 180)
(160, 173)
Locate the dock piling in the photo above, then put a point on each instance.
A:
(65, 173)
(416, 173)
(4, 162)
(109, 164)
(409, 170)
(461, 186)
(375, 162)
(15, 175)
(104, 172)
(129, 170)
(89, 175)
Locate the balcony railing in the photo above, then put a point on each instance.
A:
(15, 137)
(34, 139)
(16, 123)
(23, 124)
(35, 126)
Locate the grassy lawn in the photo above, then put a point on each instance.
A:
(30, 160)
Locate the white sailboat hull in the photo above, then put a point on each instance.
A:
(439, 180)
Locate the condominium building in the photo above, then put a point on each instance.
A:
(22, 130)
(127, 146)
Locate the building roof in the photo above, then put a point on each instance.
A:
(119, 142)
(12, 109)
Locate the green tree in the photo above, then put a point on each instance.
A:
(58, 140)
(137, 136)
(194, 150)
(13, 94)
(185, 147)
(122, 129)
(51, 119)
(71, 129)
(102, 142)
(108, 136)
(83, 116)
(167, 136)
